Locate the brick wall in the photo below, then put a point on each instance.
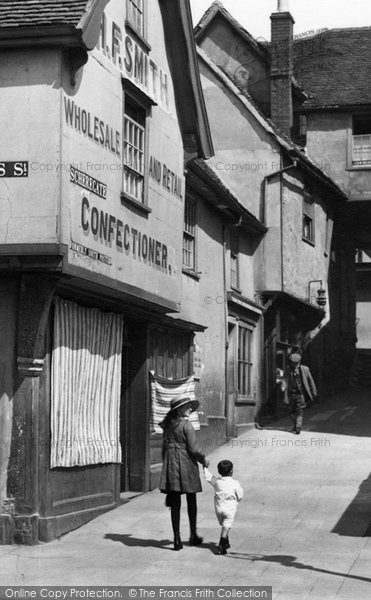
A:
(282, 71)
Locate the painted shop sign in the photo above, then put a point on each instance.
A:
(109, 230)
(165, 177)
(14, 169)
(88, 183)
(134, 62)
(94, 128)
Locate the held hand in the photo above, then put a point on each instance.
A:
(206, 463)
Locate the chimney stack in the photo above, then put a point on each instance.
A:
(282, 28)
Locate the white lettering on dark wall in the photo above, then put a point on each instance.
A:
(14, 169)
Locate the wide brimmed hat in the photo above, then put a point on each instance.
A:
(295, 357)
(179, 401)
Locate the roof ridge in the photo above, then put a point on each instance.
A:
(217, 6)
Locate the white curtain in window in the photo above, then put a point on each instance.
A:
(85, 386)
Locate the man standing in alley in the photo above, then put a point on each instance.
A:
(300, 390)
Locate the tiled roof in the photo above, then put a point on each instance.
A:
(24, 13)
(334, 67)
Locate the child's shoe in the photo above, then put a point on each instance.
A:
(227, 544)
(222, 546)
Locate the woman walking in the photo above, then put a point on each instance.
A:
(180, 474)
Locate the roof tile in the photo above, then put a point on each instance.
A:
(334, 67)
(23, 13)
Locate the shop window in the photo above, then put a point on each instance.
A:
(244, 361)
(134, 150)
(308, 218)
(234, 263)
(361, 149)
(189, 234)
(135, 15)
(171, 354)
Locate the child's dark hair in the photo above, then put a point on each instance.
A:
(225, 468)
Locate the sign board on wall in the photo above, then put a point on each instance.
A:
(14, 169)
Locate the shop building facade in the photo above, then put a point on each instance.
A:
(299, 201)
(106, 110)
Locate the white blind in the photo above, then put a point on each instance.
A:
(86, 386)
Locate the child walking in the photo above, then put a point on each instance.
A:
(227, 494)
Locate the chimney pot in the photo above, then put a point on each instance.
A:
(283, 6)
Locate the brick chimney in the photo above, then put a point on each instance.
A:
(282, 25)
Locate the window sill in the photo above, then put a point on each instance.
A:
(138, 36)
(125, 199)
(236, 289)
(308, 241)
(359, 168)
(246, 400)
(191, 273)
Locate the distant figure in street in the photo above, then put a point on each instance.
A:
(300, 390)
(180, 473)
(227, 494)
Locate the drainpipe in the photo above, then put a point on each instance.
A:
(229, 409)
(265, 197)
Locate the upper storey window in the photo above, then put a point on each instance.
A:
(361, 151)
(135, 15)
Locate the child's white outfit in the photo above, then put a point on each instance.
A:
(227, 494)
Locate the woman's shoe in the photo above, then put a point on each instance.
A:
(178, 544)
(195, 540)
(222, 546)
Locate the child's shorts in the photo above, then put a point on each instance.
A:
(226, 517)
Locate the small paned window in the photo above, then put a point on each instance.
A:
(189, 234)
(135, 15)
(134, 150)
(244, 360)
(308, 218)
(361, 151)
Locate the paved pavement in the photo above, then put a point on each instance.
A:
(302, 527)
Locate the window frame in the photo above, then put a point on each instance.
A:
(131, 5)
(351, 165)
(234, 260)
(171, 352)
(247, 363)
(136, 104)
(362, 163)
(191, 236)
(308, 217)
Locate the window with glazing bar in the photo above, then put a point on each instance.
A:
(361, 152)
(244, 360)
(189, 234)
(135, 15)
(134, 150)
